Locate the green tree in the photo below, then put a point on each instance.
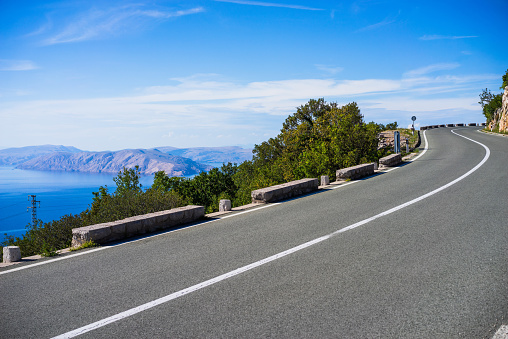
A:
(316, 140)
(485, 97)
(205, 189)
(127, 181)
(505, 80)
(490, 103)
(490, 109)
(127, 201)
(391, 126)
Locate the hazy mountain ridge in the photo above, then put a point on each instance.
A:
(19, 155)
(233, 154)
(149, 162)
(173, 161)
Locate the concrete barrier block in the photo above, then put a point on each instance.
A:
(284, 191)
(141, 224)
(11, 254)
(224, 205)
(325, 180)
(391, 160)
(355, 172)
(176, 215)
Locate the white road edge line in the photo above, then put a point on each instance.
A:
(170, 231)
(246, 268)
(501, 333)
(131, 241)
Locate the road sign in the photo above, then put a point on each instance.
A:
(413, 118)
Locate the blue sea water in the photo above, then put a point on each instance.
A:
(59, 193)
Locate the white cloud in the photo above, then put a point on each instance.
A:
(243, 113)
(269, 4)
(414, 104)
(431, 69)
(99, 23)
(17, 65)
(447, 37)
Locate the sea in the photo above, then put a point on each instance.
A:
(56, 194)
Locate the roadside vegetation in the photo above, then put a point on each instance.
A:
(492, 102)
(316, 140)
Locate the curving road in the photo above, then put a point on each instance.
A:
(417, 252)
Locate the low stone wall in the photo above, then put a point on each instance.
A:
(141, 224)
(355, 172)
(391, 160)
(284, 191)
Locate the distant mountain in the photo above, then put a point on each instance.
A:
(16, 156)
(174, 161)
(149, 162)
(233, 154)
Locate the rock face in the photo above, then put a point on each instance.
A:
(503, 121)
(149, 162)
(386, 140)
(501, 115)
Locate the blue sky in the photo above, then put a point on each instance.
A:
(109, 75)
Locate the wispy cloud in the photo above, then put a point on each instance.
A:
(99, 23)
(431, 69)
(17, 65)
(447, 37)
(386, 21)
(329, 69)
(270, 4)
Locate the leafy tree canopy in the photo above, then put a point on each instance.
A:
(317, 139)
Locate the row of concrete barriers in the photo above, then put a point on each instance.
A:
(170, 219)
(452, 125)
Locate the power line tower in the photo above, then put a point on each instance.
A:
(34, 208)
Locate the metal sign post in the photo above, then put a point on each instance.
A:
(413, 118)
(396, 141)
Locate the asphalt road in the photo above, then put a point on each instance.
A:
(437, 268)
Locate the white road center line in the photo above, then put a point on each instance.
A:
(246, 268)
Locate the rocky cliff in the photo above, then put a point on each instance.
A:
(501, 115)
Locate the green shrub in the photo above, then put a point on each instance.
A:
(127, 201)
